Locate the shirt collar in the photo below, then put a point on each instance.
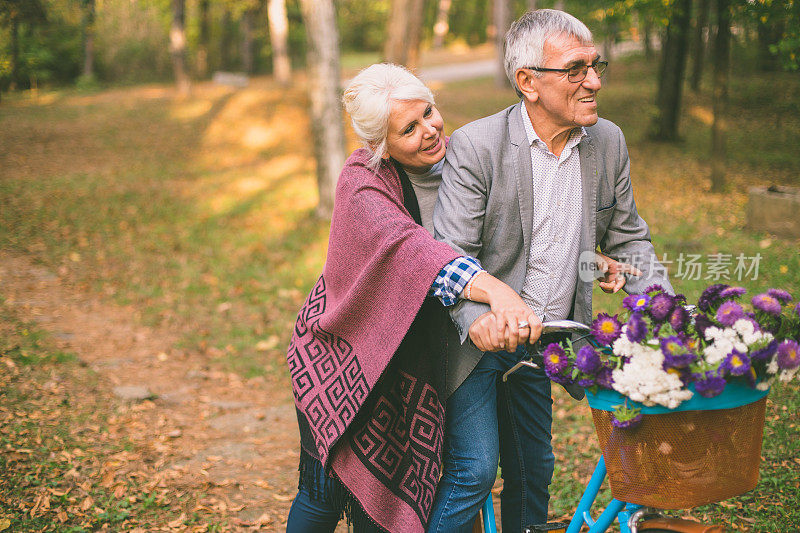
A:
(574, 137)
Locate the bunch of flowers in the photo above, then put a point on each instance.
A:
(657, 347)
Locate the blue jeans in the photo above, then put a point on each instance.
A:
(488, 419)
(321, 502)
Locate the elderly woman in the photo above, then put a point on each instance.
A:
(366, 357)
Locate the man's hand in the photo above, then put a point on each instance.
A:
(483, 333)
(613, 273)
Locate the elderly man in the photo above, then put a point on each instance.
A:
(531, 192)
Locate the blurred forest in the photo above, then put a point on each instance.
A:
(62, 42)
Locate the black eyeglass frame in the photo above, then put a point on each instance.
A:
(598, 66)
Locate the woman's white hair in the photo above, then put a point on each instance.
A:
(369, 97)
(524, 44)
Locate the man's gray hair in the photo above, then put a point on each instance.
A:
(524, 44)
(369, 97)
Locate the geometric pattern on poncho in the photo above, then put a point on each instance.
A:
(329, 379)
(404, 454)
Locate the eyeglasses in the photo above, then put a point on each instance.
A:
(577, 73)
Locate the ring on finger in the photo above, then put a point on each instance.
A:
(524, 324)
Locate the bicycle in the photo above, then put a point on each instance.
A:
(631, 517)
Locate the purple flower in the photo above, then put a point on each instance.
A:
(765, 353)
(654, 288)
(680, 298)
(585, 382)
(661, 306)
(701, 323)
(606, 329)
(587, 360)
(676, 354)
(767, 303)
(781, 295)
(788, 355)
(681, 360)
(679, 318)
(732, 292)
(628, 422)
(682, 373)
(672, 345)
(710, 296)
(729, 312)
(709, 384)
(555, 361)
(751, 377)
(636, 302)
(637, 328)
(797, 309)
(604, 378)
(736, 363)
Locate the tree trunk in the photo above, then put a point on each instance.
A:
(14, 54)
(324, 91)
(414, 32)
(177, 45)
(501, 23)
(226, 41)
(722, 60)
(395, 50)
(609, 42)
(647, 35)
(203, 39)
(442, 25)
(88, 40)
(279, 35)
(673, 67)
(770, 33)
(247, 41)
(699, 45)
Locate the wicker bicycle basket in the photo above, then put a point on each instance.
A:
(705, 451)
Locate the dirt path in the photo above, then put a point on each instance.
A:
(231, 439)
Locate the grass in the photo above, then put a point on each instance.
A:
(199, 213)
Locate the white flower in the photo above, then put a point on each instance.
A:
(744, 327)
(772, 367)
(718, 350)
(624, 347)
(787, 375)
(644, 380)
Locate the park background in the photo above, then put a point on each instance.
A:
(159, 230)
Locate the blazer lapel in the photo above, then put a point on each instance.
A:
(589, 192)
(521, 151)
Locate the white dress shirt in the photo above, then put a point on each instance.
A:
(555, 240)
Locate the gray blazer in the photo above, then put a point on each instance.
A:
(485, 209)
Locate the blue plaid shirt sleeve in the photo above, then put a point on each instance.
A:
(452, 279)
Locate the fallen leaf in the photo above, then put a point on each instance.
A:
(87, 503)
(178, 522)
